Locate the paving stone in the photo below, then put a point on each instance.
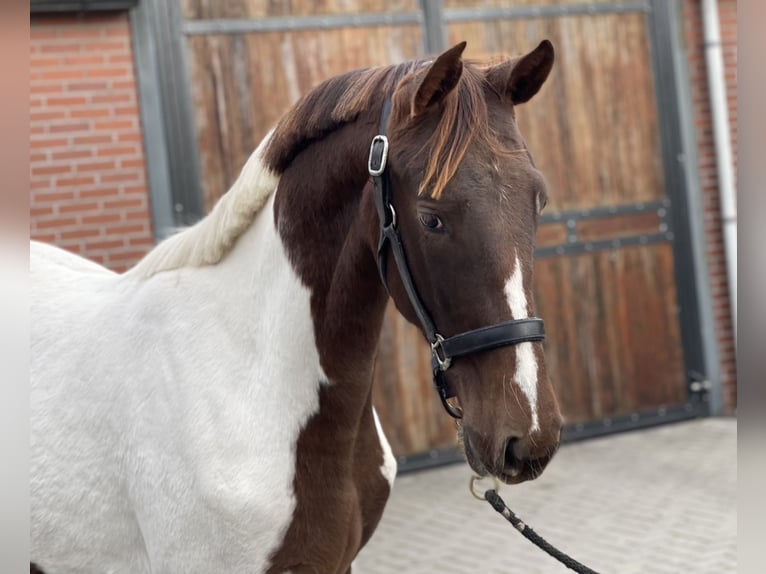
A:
(661, 500)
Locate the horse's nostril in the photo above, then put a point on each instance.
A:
(509, 456)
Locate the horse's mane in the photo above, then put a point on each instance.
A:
(343, 98)
(208, 240)
(331, 104)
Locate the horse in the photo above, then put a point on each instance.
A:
(210, 409)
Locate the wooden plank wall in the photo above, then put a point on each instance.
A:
(243, 83)
(614, 343)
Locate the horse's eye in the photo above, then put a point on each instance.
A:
(431, 221)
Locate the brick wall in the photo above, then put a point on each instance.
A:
(694, 33)
(87, 176)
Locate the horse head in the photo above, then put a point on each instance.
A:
(467, 197)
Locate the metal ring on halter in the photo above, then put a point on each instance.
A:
(376, 170)
(443, 363)
(393, 215)
(476, 493)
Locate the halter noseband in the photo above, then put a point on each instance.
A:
(443, 350)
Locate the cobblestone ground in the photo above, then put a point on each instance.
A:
(661, 500)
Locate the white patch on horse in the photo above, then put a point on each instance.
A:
(167, 406)
(526, 362)
(388, 468)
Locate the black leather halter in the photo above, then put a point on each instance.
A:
(443, 350)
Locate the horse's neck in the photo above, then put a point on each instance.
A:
(324, 220)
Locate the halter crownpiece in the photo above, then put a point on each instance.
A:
(443, 349)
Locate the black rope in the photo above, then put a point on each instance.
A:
(498, 504)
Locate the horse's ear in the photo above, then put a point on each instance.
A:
(439, 80)
(521, 78)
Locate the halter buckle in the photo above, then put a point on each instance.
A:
(376, 164)
(443, 361)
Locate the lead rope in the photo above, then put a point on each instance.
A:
(499, 505)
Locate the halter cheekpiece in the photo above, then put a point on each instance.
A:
(443, 350)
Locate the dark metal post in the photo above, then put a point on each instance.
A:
(434, 26)
(152, 125)
(675, 119)
(176, 109)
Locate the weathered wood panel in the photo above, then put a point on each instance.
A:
(505, 3)
(205, 9)
(592, 129)
(613, 338)
(243, 83)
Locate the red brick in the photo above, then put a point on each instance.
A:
(142, 241)
(67, 101)
(105, 46)
(92, 139)
(96, 166)
(142, 214)
(71, 154)
(125, 229)
(45, 88)
(81, 32)
(91, 112)
(75, 181)
(47, 115)
(39, 31)
(124, 85)
(52, 196)
(118, 32)
(68, 127)
(54, 223)
(112, 98)
(102, 218)
(124, 176)
(61, 74)
(123, 203)
(98, 192)
(43, 62)
(130, 137)
(121, 59)
(110, 72)
(77, 207)
(81, 233)
(44, 237)
(44, 183)
(108, 244)
(88, 86)
(41, 210)
(60, 47)
(114, 125)
(50, 169)
(129, 163)
(129, 111)
(124, 150)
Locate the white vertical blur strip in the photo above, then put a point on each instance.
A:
(723, 153)
(526, 362)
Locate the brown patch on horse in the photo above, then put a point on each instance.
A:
(35, 569)
(326, 218)
(339, 489)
